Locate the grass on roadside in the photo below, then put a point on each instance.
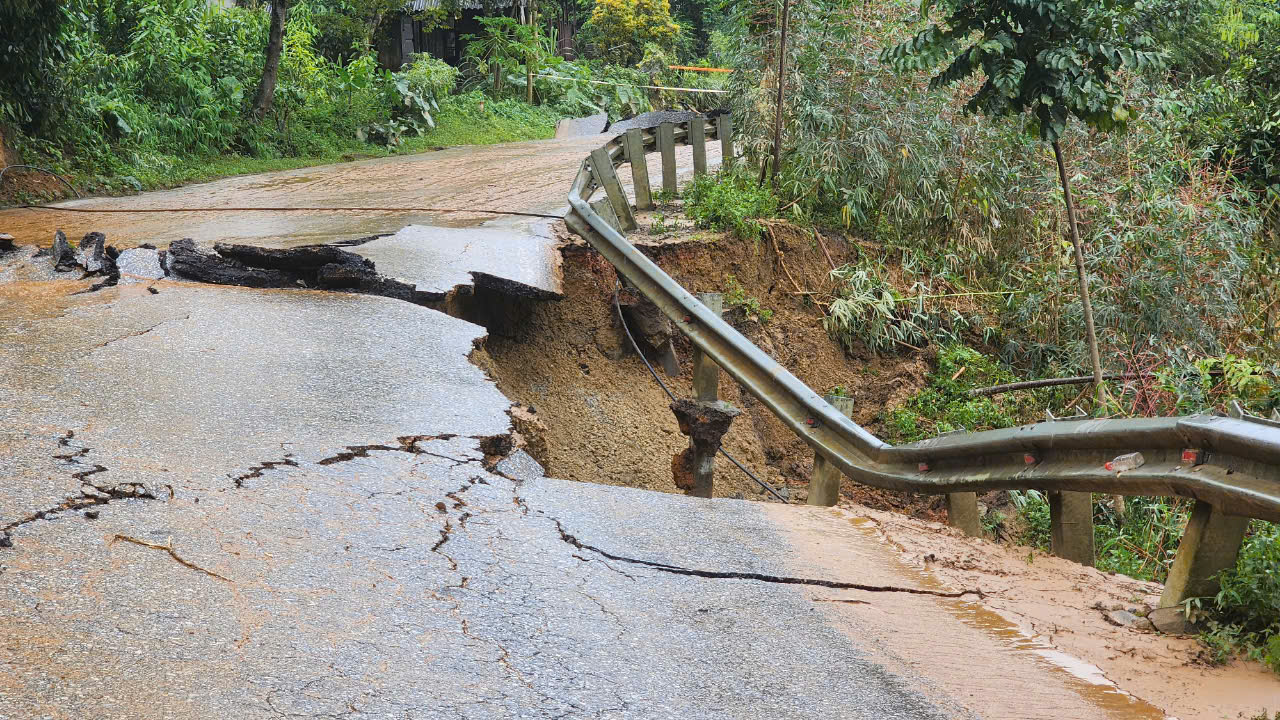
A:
(462, 121)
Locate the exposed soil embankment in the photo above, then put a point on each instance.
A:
(605, 418)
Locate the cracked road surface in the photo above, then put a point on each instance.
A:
(240, 503)
(350, 593)
(224, 502)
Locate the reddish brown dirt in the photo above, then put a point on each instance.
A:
(21, 183)
(608, 421)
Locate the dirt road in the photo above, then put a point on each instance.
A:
(528, 177)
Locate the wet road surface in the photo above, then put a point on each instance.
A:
(525, 177)
(225, 502)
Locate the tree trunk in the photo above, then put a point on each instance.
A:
(1080, 273)
(1091, 334)
(270, 70)
(782, 82)
(528, 60)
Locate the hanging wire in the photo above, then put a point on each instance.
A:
(7, 168)
(617, 305)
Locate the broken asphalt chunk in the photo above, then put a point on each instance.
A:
(64, 256)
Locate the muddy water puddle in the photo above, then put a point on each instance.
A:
(1084, 679)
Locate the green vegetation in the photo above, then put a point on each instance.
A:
(953, 183)
(125, 95)
(736, 298)
(1245, 614)
(151, 94)
(866, 308)
(1180, 250)
(1060, 63)
(730, 201)
(943, 405)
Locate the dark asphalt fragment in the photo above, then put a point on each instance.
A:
(324, 267)
(63, 255)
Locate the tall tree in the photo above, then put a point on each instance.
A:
(266, 94)
(30, 44)
(1052, 59)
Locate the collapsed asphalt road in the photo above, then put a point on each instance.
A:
(272, 503)
(224, 501)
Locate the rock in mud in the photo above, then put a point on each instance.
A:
(138, 264)
(64, 256)
(1124, 618)
(6, 243)
(1173, 621)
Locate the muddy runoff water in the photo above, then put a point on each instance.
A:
(965, 652)
(1087, 679)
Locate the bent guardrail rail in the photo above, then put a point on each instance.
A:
(1229, 463)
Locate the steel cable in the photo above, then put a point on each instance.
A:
(617, 305)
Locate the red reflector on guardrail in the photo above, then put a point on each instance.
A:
(923, 467)
(1192, 456)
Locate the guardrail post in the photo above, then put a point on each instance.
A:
(667, 146)
(824, 481)
(698, 139)
(1209, 546)
(604, 171)
(724, 128)
(706, 374)
(962, 512)
(1071, 526)
(706, 389)
(639, 168)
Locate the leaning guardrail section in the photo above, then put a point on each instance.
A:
(1231, 465)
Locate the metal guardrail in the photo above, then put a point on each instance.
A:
(1232, 463)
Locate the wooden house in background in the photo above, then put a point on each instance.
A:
(407, 36)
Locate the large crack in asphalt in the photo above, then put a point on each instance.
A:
(446, 532)
(571, 539)
(91, 493)
(256, 471)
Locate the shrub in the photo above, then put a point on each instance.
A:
(943, 404)
(730, 200)
(429, 77)
(1246, 611)
(736, 298)
(866, 308)
(568, 91)
(619, 29)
